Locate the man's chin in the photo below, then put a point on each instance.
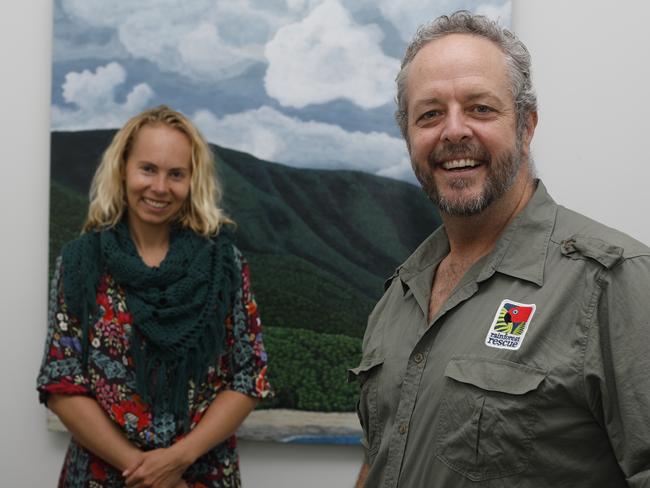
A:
(461, 203)
(463, 183)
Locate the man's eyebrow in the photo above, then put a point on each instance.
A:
(427, 101)
(482, 96)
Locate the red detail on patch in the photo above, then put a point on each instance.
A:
(520, 314)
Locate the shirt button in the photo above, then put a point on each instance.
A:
(418, 357)
(403, 428)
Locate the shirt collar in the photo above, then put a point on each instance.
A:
(416, 274)
(520, 252)
(428, 254)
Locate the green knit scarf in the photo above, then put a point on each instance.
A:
(178, 309)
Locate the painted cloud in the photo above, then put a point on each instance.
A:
(308, 83)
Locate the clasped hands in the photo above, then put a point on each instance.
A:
(160, 468)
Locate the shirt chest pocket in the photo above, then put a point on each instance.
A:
(487, 416)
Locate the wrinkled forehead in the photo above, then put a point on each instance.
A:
(459, 58)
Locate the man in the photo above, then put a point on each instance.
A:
(512, 348)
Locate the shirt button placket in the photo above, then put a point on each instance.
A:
(404, 410)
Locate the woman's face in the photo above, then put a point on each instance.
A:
(157, 176)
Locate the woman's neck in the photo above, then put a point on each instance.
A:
(151, 242)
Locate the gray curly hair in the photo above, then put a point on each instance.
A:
(465, 22)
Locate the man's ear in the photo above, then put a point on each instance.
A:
(531, 124)
(528, 132)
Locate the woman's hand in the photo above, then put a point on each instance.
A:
(160, 468)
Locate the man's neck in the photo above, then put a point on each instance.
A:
(471, 238)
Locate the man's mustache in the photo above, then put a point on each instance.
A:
(460, 150)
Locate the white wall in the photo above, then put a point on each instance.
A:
(592, 81)
(592, 71)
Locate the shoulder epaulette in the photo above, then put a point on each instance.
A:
(606, 254)
(391, 278)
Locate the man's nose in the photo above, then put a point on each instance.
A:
(455, 127)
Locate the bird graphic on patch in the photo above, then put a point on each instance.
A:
(510, 325)
(513, 318)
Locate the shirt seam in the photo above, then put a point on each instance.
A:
(590, 325)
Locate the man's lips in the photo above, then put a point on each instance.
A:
(459, 164)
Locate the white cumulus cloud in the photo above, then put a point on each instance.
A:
(408, 16)
(206, 55)
(93, 95)
(327, 56)
(273, 136)
(206, 40)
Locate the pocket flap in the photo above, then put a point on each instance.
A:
(495, 374)
(366, 365)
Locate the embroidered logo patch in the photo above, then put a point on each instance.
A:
(510, 325)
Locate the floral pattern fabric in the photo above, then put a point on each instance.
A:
(109, 377)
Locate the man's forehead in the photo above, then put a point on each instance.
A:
(460, 53)
(464, 59)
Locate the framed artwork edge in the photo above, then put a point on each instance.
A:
(284, 426)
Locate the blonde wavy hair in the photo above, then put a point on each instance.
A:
(200, 212)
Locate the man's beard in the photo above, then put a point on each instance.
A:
(501, 174)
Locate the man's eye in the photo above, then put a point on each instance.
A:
(430, 114)
(482, 109)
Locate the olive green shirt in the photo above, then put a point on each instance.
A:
(534, 373)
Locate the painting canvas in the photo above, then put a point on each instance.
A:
(296, 98)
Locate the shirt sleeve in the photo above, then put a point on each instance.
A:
(617, 362)
(248, 358)
(61, 369)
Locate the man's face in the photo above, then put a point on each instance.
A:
(462, 124)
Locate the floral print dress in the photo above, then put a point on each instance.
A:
(109, 377)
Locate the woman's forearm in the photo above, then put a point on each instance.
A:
(222, 418)
(91, 427)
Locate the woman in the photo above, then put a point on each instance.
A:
(153, 355)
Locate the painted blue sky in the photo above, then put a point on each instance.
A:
(307, 83)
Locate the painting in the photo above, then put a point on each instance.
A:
(296, 98)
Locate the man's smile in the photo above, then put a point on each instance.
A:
(460, 164)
